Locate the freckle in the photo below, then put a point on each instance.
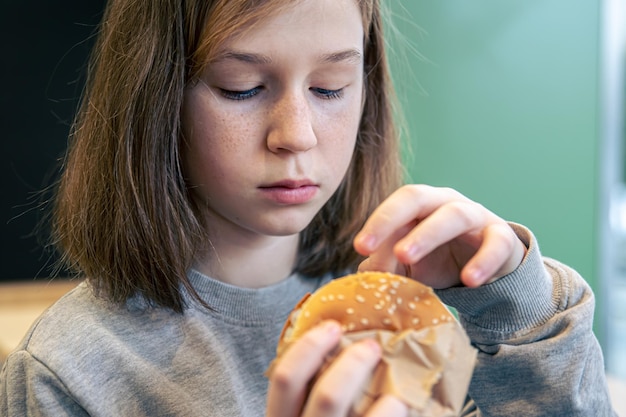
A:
(360, 298)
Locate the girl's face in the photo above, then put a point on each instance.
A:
(270, 127)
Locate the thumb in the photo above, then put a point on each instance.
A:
(383, 260)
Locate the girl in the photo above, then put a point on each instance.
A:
(231, 156)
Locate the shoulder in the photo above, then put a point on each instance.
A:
(81, 323)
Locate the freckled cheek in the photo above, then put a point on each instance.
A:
(339, 131)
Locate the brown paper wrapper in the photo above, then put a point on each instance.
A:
(428, 369)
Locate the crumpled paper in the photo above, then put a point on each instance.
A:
(428, 369)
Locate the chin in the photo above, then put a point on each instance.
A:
(286, 226)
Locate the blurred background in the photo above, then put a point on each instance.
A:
(520, 106)
(517, 104)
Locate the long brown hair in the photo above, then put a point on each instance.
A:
(123, 216)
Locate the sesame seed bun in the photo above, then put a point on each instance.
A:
(367, 301)
(427, 359)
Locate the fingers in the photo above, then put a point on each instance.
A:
(500, 253)
(408, 204)
(388, 406)
(299, 364)
(451, 220)
(441, 236)
(384, 259)
(339, 385)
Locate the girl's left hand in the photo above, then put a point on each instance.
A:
(438, 237)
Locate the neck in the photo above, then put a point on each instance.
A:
(250, 263)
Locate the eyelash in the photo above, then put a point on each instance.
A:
(329, 94)
(240, 95)
(248, 94)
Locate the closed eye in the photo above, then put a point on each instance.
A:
(240, 95)
(328, 94)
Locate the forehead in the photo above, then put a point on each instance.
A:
(213, 24)
(304, 25)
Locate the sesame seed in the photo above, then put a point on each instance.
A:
(360, 298)
(350, 310)
(412, 306)
(399, 300)
(435, 321)
(364, 321)
(386, 321)
(340, 297)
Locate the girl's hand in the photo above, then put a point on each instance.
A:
(439, 237)
(335, 390)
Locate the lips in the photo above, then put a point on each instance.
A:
(289, 192)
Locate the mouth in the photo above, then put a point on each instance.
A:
(290, 192)
(292, 184)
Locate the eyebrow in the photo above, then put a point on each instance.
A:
(348, 55)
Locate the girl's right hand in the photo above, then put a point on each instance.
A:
(336, 388)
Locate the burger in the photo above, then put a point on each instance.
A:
(427, 359)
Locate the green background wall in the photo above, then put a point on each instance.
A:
(501, 103)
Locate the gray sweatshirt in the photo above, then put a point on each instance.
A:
(85, 356)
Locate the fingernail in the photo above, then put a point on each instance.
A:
(411, 251)
(367, 240)
(373, 346)
(332, 327)
(476, 275)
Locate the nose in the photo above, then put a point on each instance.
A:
(291, 124)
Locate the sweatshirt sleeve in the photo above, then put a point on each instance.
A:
(29, 388)
(537, 354)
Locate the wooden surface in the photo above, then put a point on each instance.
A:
(21, 304)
